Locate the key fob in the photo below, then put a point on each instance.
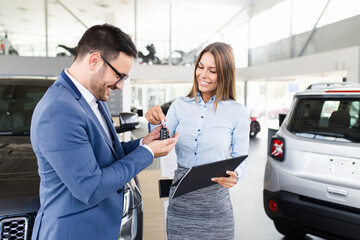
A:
(164, 133)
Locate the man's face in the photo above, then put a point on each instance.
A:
(105, 79)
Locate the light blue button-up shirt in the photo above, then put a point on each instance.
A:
(207, 136)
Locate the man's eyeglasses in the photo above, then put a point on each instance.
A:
(122, 77)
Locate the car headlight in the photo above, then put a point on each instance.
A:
(127, 201)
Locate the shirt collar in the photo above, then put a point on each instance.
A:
(89, 98)
(201, 100)
(198, 97)
(212, 99)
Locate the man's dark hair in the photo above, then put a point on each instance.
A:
(106, 39)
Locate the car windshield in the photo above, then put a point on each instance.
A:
(328, 119)
(17, 102)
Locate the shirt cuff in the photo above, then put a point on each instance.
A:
(146, 146)
(152, 127)
(241, 170)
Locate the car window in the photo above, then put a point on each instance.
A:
(354, 114)
(336, 118)
(17, 103)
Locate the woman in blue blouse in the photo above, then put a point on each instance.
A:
(211, 125)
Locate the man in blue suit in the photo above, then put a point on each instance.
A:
(82, 165)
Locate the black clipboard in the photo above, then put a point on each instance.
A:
(164, 187)
(200, 176)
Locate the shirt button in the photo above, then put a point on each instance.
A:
(202, 116)
(198, 130)
(195, 140)
(195, 153)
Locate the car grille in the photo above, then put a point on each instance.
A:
(14, 228)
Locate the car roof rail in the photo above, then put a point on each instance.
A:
(334, 84)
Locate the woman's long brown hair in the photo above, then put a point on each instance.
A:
(225, 68)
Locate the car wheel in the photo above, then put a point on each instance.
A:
(139, 233)
(254, 128)
(290, 231)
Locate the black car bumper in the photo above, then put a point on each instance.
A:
(321, 218)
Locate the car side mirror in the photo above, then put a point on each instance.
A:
(139, 111)
(128, 121)
(281, 118)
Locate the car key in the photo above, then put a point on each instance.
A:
(164, 134)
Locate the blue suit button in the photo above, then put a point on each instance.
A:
(119, 191)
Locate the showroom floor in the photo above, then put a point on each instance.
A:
(251, 221)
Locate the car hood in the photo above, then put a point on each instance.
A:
(19, 180)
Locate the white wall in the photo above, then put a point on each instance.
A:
(338, 60)
(339, 35)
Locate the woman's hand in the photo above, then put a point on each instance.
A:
(227, 182)
(155, 115)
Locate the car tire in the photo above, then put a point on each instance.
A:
(290, 231)
(140, 221)
(254, 128)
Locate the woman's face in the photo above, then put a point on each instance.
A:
(206, 75)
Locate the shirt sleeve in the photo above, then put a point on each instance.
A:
(171, 119)
(146, 146)
(152, 127)
(241, 170)
(240, 140)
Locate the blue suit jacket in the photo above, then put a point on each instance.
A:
(81, 170)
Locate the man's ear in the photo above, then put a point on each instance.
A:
(94, 61)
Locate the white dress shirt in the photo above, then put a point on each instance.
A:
(91, 100)
(207, 136)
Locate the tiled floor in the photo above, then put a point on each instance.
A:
(153, 205)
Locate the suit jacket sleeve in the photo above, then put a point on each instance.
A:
(130, 146)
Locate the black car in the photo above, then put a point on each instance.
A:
(19, 179)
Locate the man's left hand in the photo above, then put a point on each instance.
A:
(153, 135)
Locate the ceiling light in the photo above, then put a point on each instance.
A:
(124, 2)
(22, 9)
(102, 5)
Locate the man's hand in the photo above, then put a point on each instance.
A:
(160, 147)
(227, 182)
(153, 135)
(155, 115)
(163, 147)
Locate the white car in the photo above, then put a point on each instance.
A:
(312, 175)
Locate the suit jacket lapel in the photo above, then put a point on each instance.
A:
(116, 142)
(67, 82)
